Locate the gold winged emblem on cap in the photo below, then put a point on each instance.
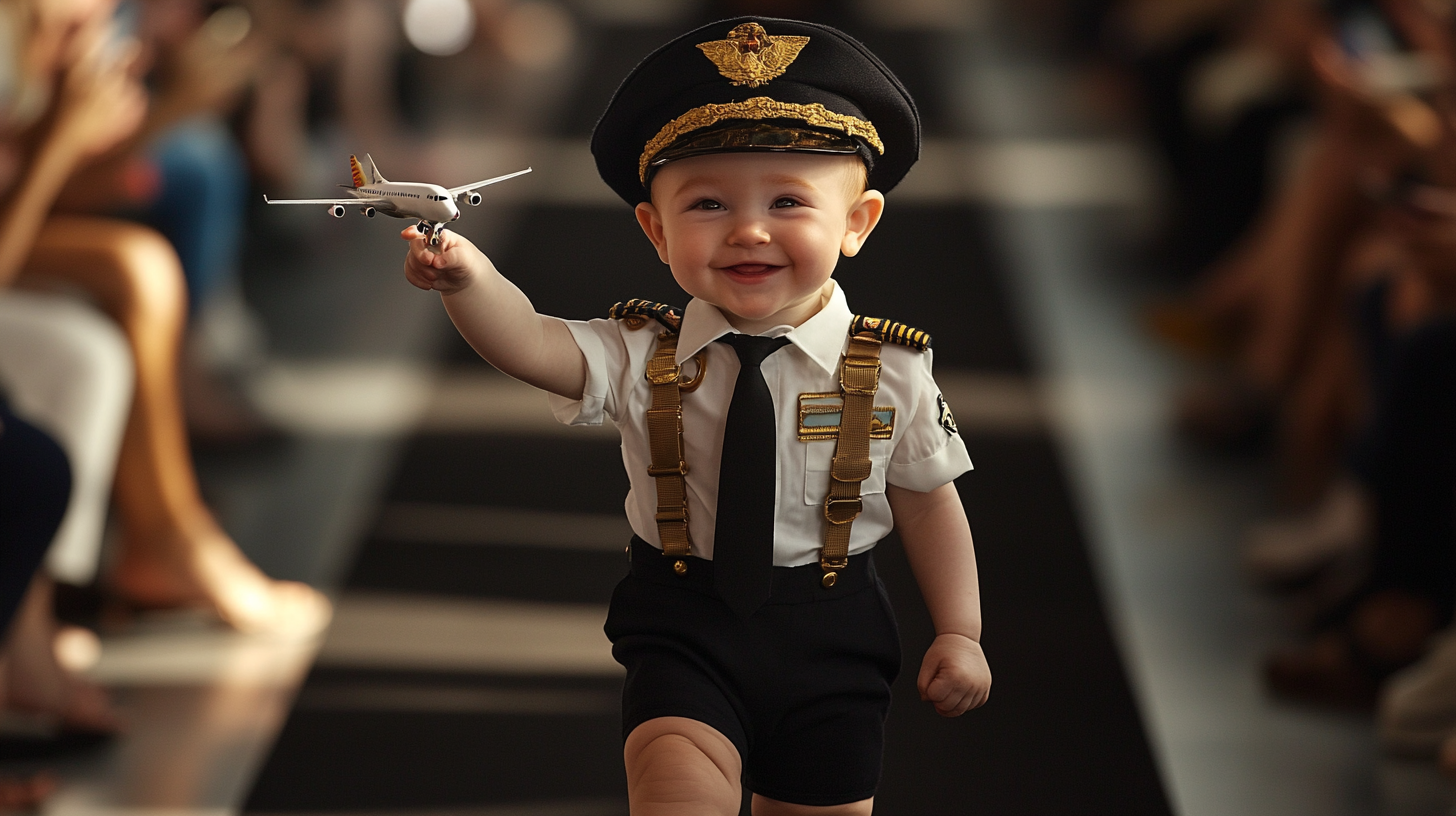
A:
(751, 57)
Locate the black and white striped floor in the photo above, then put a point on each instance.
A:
(467, 670)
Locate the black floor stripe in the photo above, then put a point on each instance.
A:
(373, 760)
(1061, 733)
(614, 52)
(542, 473)
(419, 761)
(518, 573)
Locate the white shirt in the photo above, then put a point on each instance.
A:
(922, 453)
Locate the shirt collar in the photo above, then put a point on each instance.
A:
(821, 337)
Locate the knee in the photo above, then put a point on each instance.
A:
(153, 290)
(675, 758)
(677, 766)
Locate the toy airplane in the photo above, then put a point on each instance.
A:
(432, 204)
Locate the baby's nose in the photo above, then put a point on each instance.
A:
(749, 232)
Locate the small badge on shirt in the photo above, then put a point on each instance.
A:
(947, 420)
(819, 418)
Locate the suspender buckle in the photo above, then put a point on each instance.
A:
(831, 566)
(860, 376)
(843, 511)
(681, 469)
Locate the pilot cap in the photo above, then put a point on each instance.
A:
(756, 83)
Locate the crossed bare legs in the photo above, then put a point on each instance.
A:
(682, 767)
(173, 552)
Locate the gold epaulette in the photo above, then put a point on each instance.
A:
(888, 331)
(636, 312)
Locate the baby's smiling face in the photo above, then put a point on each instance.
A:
(758, 234)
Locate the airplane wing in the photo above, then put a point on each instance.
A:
(374, 202)
(456, 191)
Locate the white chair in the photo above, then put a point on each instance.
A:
(67, 368)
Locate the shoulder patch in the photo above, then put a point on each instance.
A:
(636, 312)
(947, 419)
(888, 331)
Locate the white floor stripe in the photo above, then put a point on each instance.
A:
(991, 403)
(1029, 174)
(66, 806)
(465, 524)
(432, 633)
(187, 652)
(344, 397)
(485, 401)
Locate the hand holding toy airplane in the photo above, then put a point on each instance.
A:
(432, 204)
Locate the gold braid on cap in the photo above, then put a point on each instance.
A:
(759, 107)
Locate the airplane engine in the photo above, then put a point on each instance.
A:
(474, 199)
(337, 210)
(368, 211)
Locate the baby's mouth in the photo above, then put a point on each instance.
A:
(751, 270)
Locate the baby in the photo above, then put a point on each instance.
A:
(771, 436)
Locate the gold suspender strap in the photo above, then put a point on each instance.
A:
(859, 379)
(664, 433)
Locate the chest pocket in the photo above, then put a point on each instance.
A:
(819, 429)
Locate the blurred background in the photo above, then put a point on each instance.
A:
(276, 541)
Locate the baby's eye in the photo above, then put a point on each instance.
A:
(707, 204)
(785, 202)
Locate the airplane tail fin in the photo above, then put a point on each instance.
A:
(374, 173)
(360, 179)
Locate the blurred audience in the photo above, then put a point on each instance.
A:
(1311, 148)
(74, 97)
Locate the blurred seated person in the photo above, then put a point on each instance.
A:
(183, 173)
(1333, 325)
(172, 551)
(1221, 86)
(35, 483)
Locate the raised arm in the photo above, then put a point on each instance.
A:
(99, 103)
(495, 316)
(954, 675)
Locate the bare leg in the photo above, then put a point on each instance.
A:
(33, 681)
(677, 766)
(1319, 413)
(173, 551)
(682, 767)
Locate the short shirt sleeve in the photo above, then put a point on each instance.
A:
(604, 349)
(931, 452)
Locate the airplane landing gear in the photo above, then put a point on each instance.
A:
(435, 232)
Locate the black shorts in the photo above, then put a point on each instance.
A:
(801, 688)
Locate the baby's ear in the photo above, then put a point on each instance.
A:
(651, 223)
(864, 215)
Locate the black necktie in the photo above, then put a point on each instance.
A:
(743, 536)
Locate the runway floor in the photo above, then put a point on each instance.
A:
(496, 725)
